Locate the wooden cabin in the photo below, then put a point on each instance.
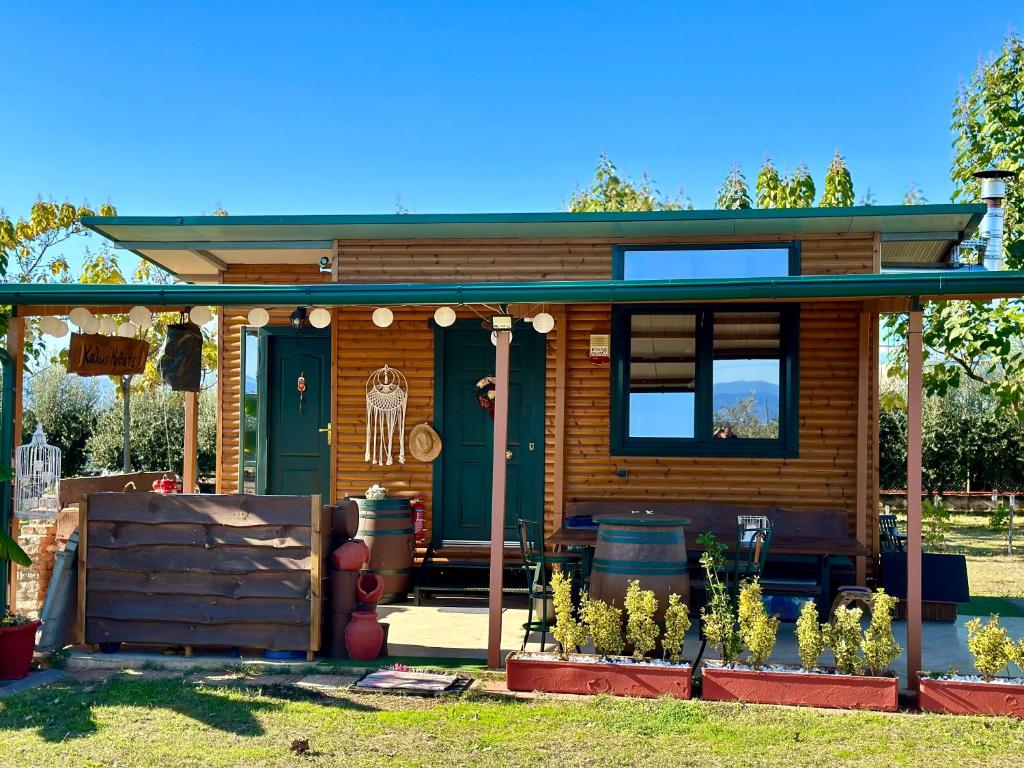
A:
(645, 424)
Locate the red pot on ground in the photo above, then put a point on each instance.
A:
(801, 689)
(556, 676)
(17, 644)
(364, 636)
(369, 588)
(962, 697)
(350, 556)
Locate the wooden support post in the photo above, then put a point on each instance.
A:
(561, 357)
(915, 357)
(16, 348)
(316, 596)
(501, 374)
(863, 430)
(83, 553)
(190, 470)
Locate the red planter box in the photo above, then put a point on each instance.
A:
(17, 644)
(555, 676)
(800, 689)
(958, 697)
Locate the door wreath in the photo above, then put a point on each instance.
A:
(485, 394)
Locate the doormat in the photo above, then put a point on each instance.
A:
(413, 681)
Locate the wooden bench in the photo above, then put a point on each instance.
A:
(801, 536)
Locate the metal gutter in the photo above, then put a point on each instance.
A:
(793, 288)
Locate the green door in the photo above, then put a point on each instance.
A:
(468, 433)
(297, 453)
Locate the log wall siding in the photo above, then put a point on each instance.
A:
(428, 261)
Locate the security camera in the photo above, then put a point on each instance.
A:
(325, 263)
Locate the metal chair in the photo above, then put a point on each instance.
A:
(754, 536)
(889, 534)
(535, 563)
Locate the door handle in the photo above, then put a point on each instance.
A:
(327, 429)
(508, 455)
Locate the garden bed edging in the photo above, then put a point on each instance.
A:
(967, 697)
(800, 689)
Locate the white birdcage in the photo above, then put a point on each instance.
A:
(36, 478)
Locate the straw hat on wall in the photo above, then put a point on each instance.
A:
(424, 443)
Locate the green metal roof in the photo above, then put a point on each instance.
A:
(755, 221)
(933, 284)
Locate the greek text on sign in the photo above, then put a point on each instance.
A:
(96, 355)
(600, 348)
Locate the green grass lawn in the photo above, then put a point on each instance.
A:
(162, 722)
(990, 570)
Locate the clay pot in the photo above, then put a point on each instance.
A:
(369, 588)
(344, 520)
(343, 590)
(16, 647)
(364, 637)
(350, 556)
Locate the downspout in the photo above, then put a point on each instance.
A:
(6, 455)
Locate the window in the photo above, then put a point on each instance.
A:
(704, 380)
(678, 262)
(249, 431)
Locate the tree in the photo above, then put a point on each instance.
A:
(770, 192)
(67, 406)
(838, 184)
(746, 419)
(914, 195)
(158, 422)
(611, 192)
(733, 194)
(868, 198)
(799, 188)
(981, 341)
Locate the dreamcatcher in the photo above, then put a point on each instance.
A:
(387, 395)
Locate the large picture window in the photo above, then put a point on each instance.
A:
(707, 380)
(681, 262)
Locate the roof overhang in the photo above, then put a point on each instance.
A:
(923, 285)
(198, 248)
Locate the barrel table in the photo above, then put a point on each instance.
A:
(386, 527)
(649, 548)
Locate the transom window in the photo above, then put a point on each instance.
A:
(706, 380)
(679, 262)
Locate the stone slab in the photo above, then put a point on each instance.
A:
(35, 679)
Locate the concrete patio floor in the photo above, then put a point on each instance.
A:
(454, 627)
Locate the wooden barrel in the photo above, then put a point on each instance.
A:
(386, 527)
(648, 548)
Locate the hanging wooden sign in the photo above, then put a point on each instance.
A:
(94, 355)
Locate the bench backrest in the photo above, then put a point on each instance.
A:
(720, 519)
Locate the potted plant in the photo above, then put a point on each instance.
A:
(17, 633)
(752, 679)
(985, 693)
(607, 670)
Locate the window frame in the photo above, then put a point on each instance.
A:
(619, 253)
(702, 443)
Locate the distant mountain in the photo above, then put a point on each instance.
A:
(729, 393)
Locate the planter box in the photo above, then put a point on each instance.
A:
(556, 676)
(962, 697)
(800, 689)
(17, 644)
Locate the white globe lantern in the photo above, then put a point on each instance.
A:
(543, 322)
(60, 329)
(200, 315)
(47, 324)
(141, 317)
(320, 318)
(90, 325)
(127, 330)
(79, 316)
(108, 325)
(444, 316)
(383, 317)
(258, 317)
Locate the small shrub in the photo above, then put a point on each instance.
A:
(843, 637)
(810, 640)
(1017, 654)
(990, 645)
(9, 619)
(568, 632)
(999, 517)
(604, 622)
(758, 630)
(879, 646)
(935, 522)
(718, 615)
(677, 621)
(641, 630)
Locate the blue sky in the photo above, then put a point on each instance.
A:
(346, 108)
